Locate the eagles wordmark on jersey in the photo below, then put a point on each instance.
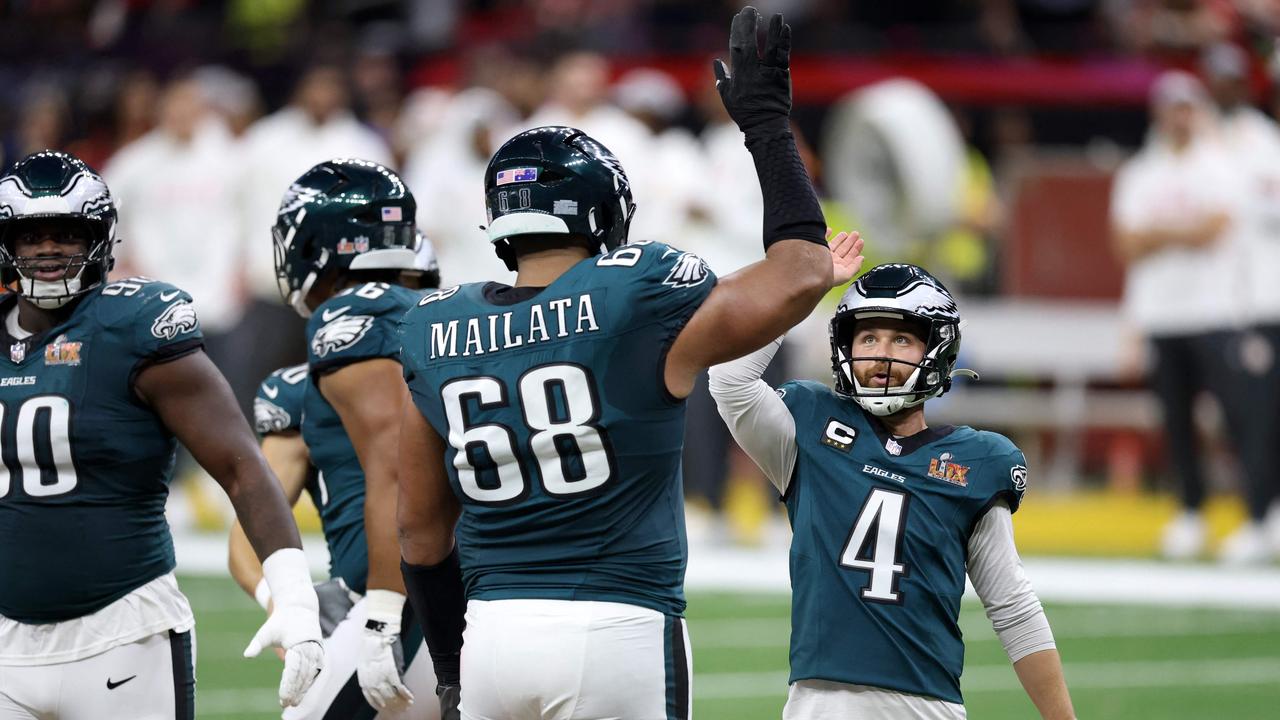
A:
(86, 465)
(882, 526)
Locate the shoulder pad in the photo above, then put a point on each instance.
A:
(678, 267)
(439, 295)
(278, 404)
(996, 444)
(167, 308)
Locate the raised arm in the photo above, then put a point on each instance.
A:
(195, 402)
(761, 302)
(1016, 614)
(757, 417)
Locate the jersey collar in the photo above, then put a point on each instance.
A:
(905, 445)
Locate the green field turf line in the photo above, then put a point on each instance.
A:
(1001, 678)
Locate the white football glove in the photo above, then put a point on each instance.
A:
(377, 668)
(294, 624)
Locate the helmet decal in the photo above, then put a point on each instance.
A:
(556, 181)
(342, 216)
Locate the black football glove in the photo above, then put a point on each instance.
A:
(450, 697)
(758, 92)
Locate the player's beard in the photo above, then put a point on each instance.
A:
(870, 373)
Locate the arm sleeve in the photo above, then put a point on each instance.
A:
(997, 575)
(757, 418)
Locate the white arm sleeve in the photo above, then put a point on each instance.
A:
(757, 418)
(996, 572)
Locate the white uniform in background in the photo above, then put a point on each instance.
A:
(180, 219)
(277, 149)
(443, 172)
(1162, 188)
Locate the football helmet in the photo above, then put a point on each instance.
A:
(425, 272)
(556, 181)
(342, 216)
(55, 186)
(901, 292)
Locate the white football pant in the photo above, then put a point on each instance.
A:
(150, 679)
(573, 660)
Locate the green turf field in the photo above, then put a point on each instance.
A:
(1121, 662)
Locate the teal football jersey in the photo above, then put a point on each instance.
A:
(86, 464)
(881, 532)
(357, 324)
(277, 408)
(563, 444)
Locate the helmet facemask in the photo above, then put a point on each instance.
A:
(340, 218)
(904, 293)
(55, 192)
(82, 272)
(929, 377)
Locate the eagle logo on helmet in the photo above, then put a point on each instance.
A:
(340, 334)
(177, 319)
(269, 417)
(296, 197)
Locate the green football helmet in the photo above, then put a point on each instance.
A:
(50, 186)
(556, 181)
(342, 216)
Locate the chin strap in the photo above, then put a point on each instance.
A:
(50, 294)
(965, 372)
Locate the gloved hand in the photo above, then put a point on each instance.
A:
(294, 624)
(450, 697)
(377, 668)
(758, 92)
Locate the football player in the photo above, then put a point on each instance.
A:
(548, 417)
(348, 258)
(100, 381)
(890, 513)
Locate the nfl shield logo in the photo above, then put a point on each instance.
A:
(18, 352)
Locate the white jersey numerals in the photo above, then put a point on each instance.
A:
(57, 462)
(885, 512)
(559, 404)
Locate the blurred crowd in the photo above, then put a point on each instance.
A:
(200, 112)
(1196, 219)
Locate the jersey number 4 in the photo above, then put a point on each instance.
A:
(878, 552)
(31, 435)
(560, 407)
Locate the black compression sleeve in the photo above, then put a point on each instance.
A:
(436, 593)
(791, 209)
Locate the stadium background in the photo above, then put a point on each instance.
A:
(992, 166)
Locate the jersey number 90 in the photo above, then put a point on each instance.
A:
(559, 406)
(31, 435)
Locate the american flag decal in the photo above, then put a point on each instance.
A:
(515, 175)
(392, 214)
